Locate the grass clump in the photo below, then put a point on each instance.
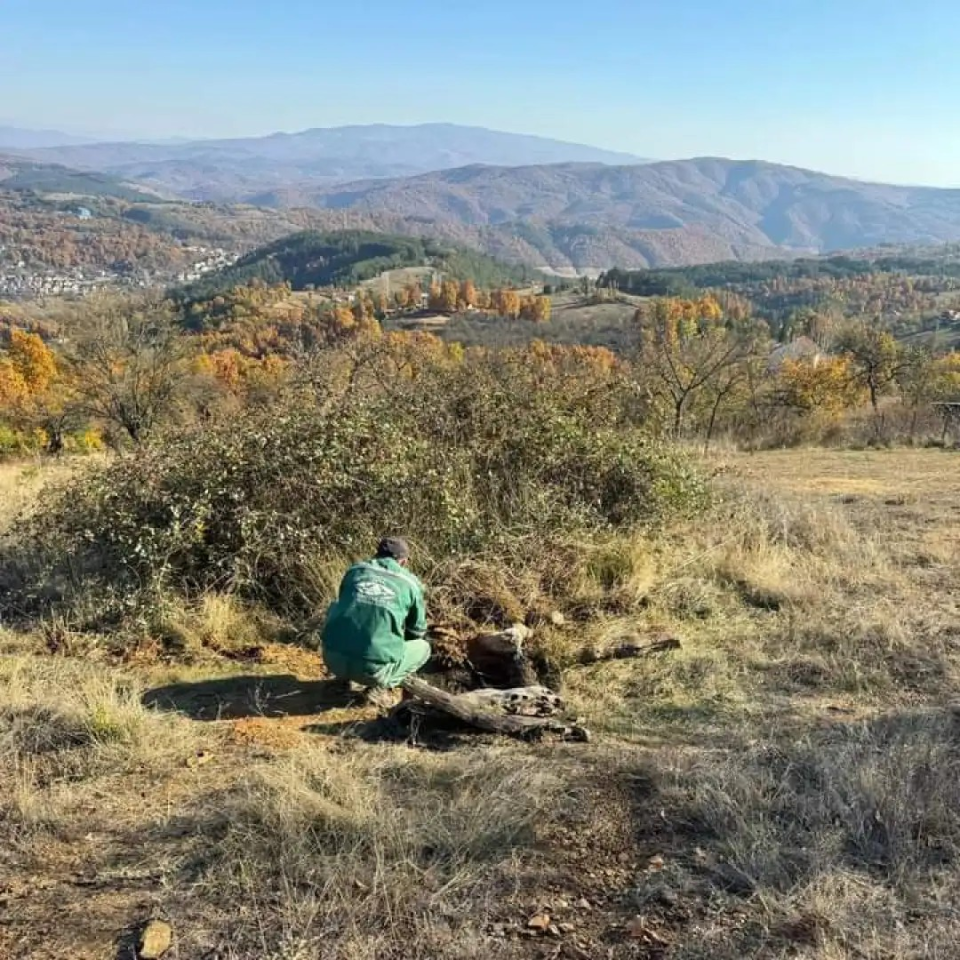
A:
(64, 728)
(845, 838)
(371, 854)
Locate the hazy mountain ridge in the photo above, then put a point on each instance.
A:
(241, 169)
(671, 212)
(20, 138)
(19, 175)
(576, 217)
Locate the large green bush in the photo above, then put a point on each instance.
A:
(464, 458)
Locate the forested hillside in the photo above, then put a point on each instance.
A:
(684, 211)
(18, 174)
(347, 258)
(907, 292)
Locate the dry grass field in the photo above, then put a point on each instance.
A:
(785, 785)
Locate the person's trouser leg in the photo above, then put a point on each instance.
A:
(415, 654)
(347, 671)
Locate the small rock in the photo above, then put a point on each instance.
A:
(656, 863)
(553, 930)
(558, 619)
(155, 940)
(583, 904)
(566, 927)
(539, 922)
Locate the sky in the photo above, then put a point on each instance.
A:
(865, 89)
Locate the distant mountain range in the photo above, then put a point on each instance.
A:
(248, 169)
(590, 212)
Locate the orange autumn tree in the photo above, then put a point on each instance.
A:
(409, 297)
(826, 385)
(536, 309)
(35, 393)
(449, 296)
(468, 295)
(505, 303)
(687, 347)
(435, 296)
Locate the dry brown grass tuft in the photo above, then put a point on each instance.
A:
(375, 854)
(217, 622)
(64, 727)
(845, 839)
(21, 481)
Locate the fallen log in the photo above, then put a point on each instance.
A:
(627, 651)
(513, 702)
(476, 711)
(521, 702)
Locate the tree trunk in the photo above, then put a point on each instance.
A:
(914, 417)
(523, 710)
(678, 416)
(713, 422)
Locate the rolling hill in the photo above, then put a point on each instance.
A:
(19, 175)
(689, 211)
(347, 258)
(250, 169)
(565, 218)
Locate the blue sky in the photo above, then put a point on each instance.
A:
(862, 88)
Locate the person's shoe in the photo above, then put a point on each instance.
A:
(349, 690)
(382, 698)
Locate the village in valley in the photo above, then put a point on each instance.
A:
(20, 281)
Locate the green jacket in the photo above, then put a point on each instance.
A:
(379, 608)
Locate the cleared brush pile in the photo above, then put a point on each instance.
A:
(491, 463)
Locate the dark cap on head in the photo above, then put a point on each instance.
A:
(394, 547)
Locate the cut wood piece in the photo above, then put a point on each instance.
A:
(520, 702)
(483, 718)
(626, 651)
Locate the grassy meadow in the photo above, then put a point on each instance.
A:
(787, 784)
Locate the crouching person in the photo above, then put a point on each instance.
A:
(375, 632)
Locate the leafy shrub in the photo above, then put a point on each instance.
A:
(465, 457)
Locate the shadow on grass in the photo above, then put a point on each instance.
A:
(429, 731)
(233, 698)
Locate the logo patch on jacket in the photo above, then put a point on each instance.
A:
(375, 592)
